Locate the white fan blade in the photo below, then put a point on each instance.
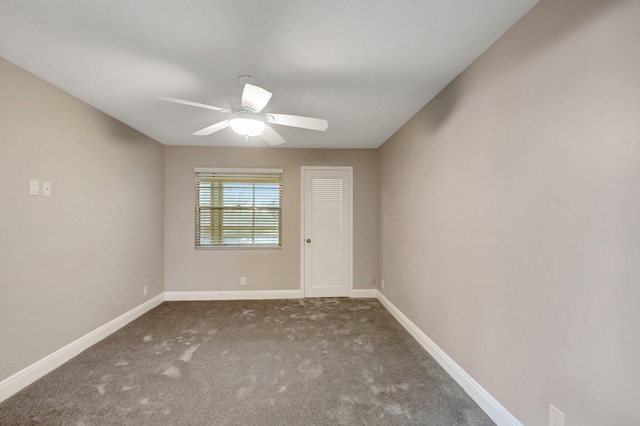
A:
(271, 136)
(195, 104)
(298, 121)
(255, 97)
(213, 128)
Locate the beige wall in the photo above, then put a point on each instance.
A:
(510, 215)
(74, 261)
(187, 269)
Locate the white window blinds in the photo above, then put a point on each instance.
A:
(238, 207)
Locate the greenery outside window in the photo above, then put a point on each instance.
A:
(238, 208)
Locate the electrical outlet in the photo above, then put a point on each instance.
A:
(145, 290)
(382, 282)
(556, 417)
(373, 282)
(46, 189)
(243, 280)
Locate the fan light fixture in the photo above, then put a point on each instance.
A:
(246, 126)
(247, 119)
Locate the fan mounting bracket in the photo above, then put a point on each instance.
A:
(247, 79)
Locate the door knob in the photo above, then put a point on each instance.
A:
(308, 240)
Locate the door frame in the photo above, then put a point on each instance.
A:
(303, 170)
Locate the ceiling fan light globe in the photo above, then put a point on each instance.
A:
(246, 126)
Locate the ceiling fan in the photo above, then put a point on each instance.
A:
(248, 120)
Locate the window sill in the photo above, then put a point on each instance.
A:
(238, 247)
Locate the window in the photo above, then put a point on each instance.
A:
(238, 208)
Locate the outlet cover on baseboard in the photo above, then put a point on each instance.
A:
(556, 417)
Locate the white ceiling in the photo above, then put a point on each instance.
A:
(364, 65)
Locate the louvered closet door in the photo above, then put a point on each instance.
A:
(327, 232)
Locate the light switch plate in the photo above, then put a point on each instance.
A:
(46, 189)
(33, 187)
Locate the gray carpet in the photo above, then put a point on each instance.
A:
(277, 362)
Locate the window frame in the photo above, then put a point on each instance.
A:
(227, 176)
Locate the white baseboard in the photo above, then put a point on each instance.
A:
(364, 293)
(488, 403)
(232, 295)
(30, 374)
(254, 295)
